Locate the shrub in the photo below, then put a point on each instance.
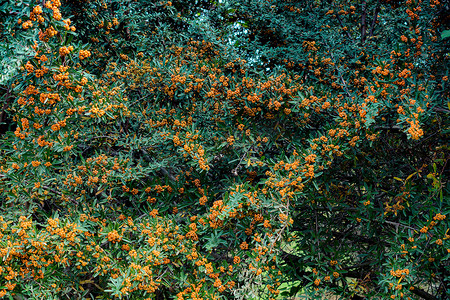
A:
(241, 149)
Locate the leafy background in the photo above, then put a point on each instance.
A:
(221, 150)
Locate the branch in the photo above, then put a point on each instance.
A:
(342, 79)
(234, 172)
(110, 46)
(399, 224)
(358, 238)
(342, 25)
(166, 173)
(6, 105)
(163, 170)
(60, 194)
(393, 127)
(45, 187)
(363, 22)
(441, 109)
(292, 260)
(374, 20)
(423, 294)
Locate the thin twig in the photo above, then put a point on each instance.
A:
(60, 194)
(342, 25)
(441, 109)
(339, 74)
(234, 172)
(399, 224)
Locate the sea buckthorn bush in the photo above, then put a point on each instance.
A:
(224, 150)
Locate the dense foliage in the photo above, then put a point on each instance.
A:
(259, 149)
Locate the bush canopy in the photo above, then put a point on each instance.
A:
(256, 149)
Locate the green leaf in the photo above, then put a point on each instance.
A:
(445, 34)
